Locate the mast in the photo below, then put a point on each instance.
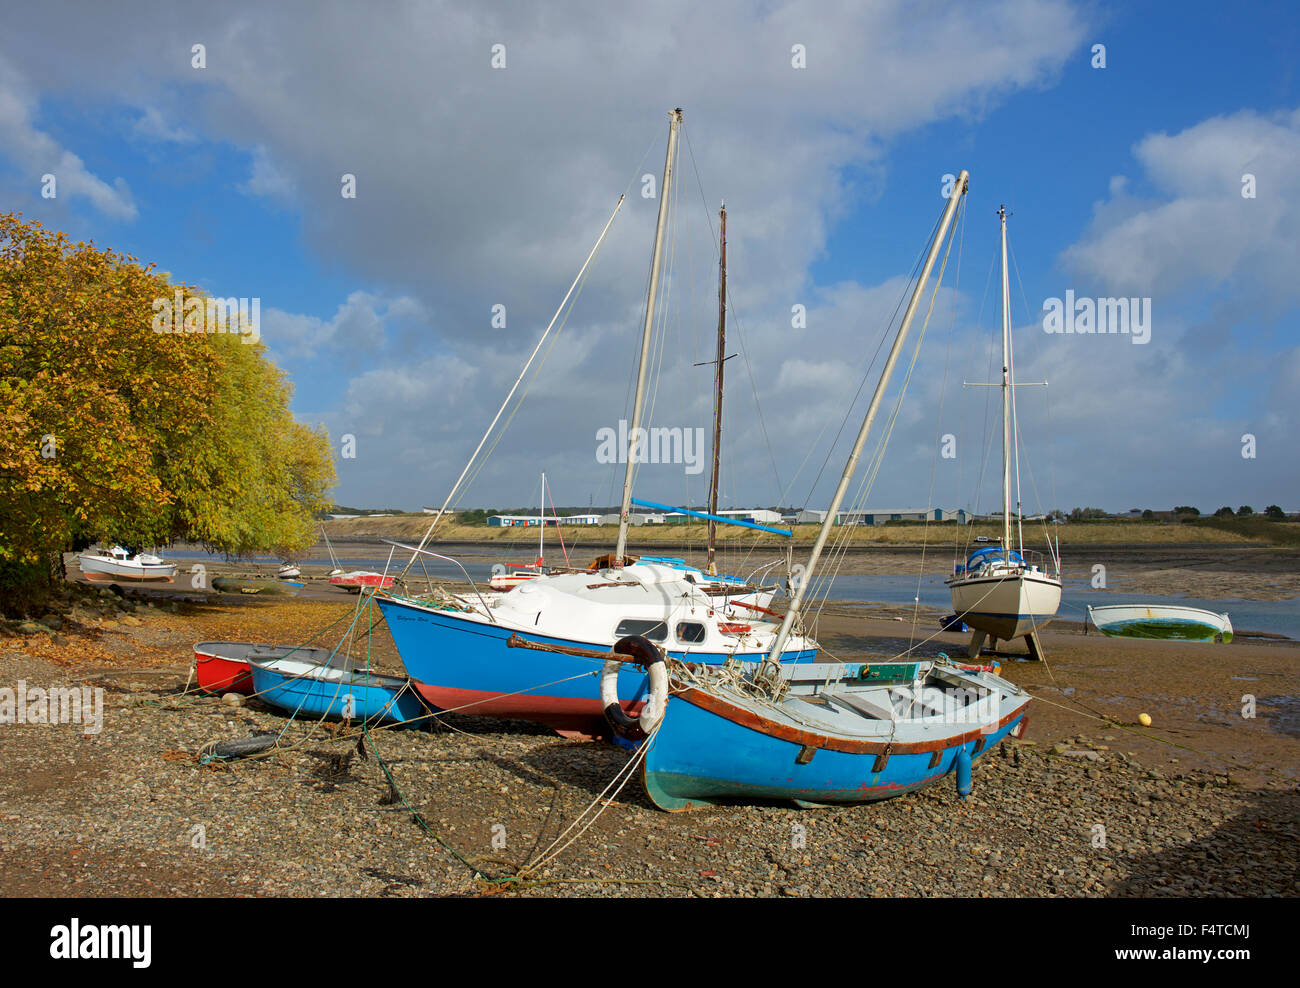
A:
(712, 568)
(665, 189)
(541, 523)
(792, 612)
(334, 563)
(1006, 395)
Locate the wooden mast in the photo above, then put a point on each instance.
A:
(712, 568)
(665, 190)
(792, 613)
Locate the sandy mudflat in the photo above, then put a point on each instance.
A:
(1204, 802)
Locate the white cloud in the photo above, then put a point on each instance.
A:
(37, 154)
(360, 324)
(267, 179)
(1196, 231)
(152, 126)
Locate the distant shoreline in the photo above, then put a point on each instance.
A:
(1109, 536)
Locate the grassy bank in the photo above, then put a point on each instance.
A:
(1244, 531)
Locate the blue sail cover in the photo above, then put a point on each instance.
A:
(987, 554)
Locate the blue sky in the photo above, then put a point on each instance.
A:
(479, 186)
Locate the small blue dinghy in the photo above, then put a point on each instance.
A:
(303, 685)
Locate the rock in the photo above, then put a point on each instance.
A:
(53, 622)
(1059, 749)
(232, 699)
(108, 624)
(132, 620)
(32, 628)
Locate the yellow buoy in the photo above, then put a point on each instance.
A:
(1144, 720)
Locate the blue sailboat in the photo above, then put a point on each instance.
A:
(457, 649)
(815, 732)
(455, 646)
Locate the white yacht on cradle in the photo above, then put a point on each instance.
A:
(1001, 592)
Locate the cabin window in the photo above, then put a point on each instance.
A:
(656, 631)
(690, 632)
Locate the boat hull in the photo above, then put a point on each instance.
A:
(1006, 606)
(465, 666)
(101, 568)
(220, 675)
(359, 581)
(382, 699)
(223, 667)
(225, 584)
(707, 751)
(1168, 623)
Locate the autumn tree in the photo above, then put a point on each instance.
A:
(114, 432)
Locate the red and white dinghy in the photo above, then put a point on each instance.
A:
(359, 578)
(222, 667)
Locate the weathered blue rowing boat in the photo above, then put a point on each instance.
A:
(332, 689)
(823, 733)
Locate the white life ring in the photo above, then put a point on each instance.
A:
(641, 651)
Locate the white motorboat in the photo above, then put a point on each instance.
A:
(118, 564)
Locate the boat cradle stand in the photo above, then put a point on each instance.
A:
(978, 638)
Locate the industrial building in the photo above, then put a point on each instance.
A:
(878, 516)
(634, 517)
(759, 516)
(526, 521)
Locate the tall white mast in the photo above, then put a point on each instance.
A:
(665, 188)
(541, 523)
(792, 612)
(1006, 395)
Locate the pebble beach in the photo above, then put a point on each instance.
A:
(1203, 802)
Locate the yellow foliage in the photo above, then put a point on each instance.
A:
(112, 431)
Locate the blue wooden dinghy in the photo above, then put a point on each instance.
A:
(310, 687)
(824, 733)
